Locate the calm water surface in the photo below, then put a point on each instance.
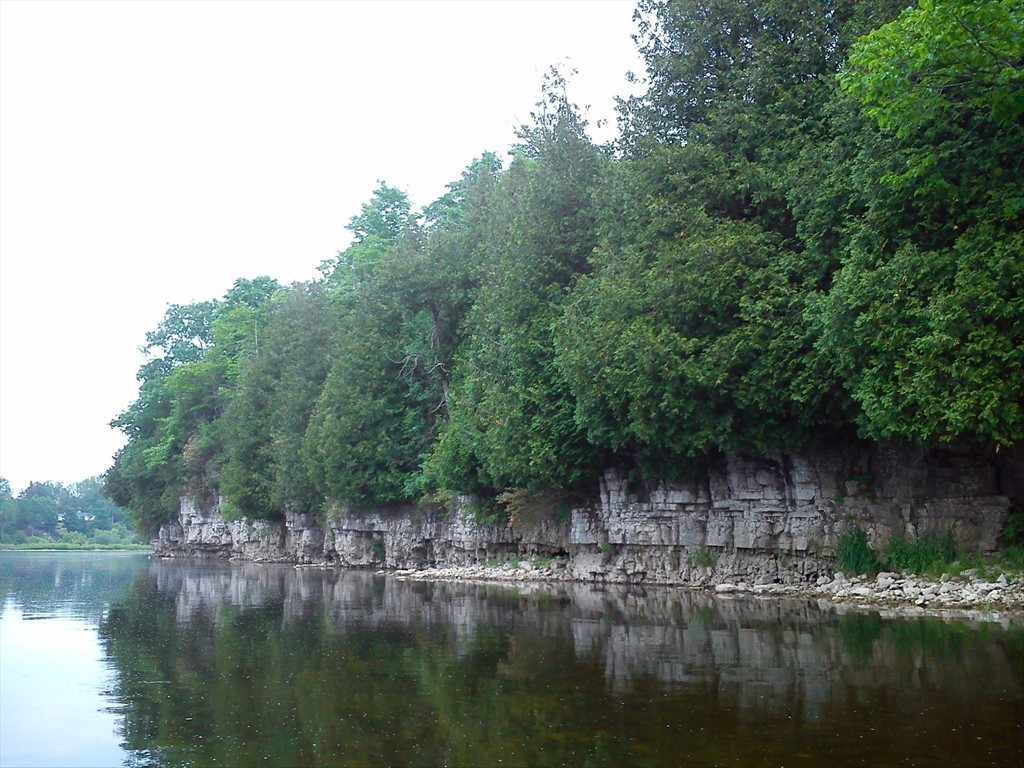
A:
(115, 659)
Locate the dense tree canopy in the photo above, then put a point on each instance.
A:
(811, 222)
(925, 322)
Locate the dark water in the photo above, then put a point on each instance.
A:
(110, 659)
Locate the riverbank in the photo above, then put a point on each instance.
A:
(969, 591)
(750, 525)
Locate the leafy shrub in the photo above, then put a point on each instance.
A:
(485, 511)
(523, 505)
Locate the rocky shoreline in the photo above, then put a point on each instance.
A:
(967, 593)
(750, 526)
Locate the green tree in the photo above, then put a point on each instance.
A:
(785, 242)
(92, 503)
(368, 430)
(10, 522)
(369, 427)
(173, 439)
(925, 322)
(43, 508)
(937, 61)
(264, 474)
(694, 333)
(381, 223)
(511, 412)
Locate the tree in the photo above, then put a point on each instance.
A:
(173, 439)
(264, 473)
(183, 336)
(365, 435)
(924, 322)
(9, 519)
(694, 333)
(42, 507)
(92, 504)
(939, 59)
(383, 221)
(511, 413)
(715, 61)
(782, 244)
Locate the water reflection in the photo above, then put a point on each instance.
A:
(244, 665)
(113, 659)
(56, 705)
(78, 584)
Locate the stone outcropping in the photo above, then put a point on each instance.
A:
(750, 519)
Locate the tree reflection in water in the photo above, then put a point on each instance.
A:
(221, 664)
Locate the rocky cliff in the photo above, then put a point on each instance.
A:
(748, 518)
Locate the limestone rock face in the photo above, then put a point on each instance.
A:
(747, 520)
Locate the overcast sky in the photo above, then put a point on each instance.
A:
(153, 152)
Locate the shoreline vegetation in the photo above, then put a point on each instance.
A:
(810, 228)
(53, 516)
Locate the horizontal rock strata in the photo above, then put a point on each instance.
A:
(750, 523)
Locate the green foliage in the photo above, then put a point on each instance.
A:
(174, 442)
(854, 555)
(264, 473)
(702, 558)
(485, 510)
(76, 542)
(1012, 558)
(788, 240)
(709, 62)
(511, 411)
(926, 554)
(931, 343)
(377, 548)
(939, 58)
(696, 331)
(525, 506)
(680, 360)
(383, 222)
(52, 515)
(1013, 533)
(368, 429)
(924, 323)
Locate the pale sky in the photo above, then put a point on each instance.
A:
(153, 152)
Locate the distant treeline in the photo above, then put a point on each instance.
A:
(811, 223)
(70, 516)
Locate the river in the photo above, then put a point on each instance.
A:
(117, 659)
